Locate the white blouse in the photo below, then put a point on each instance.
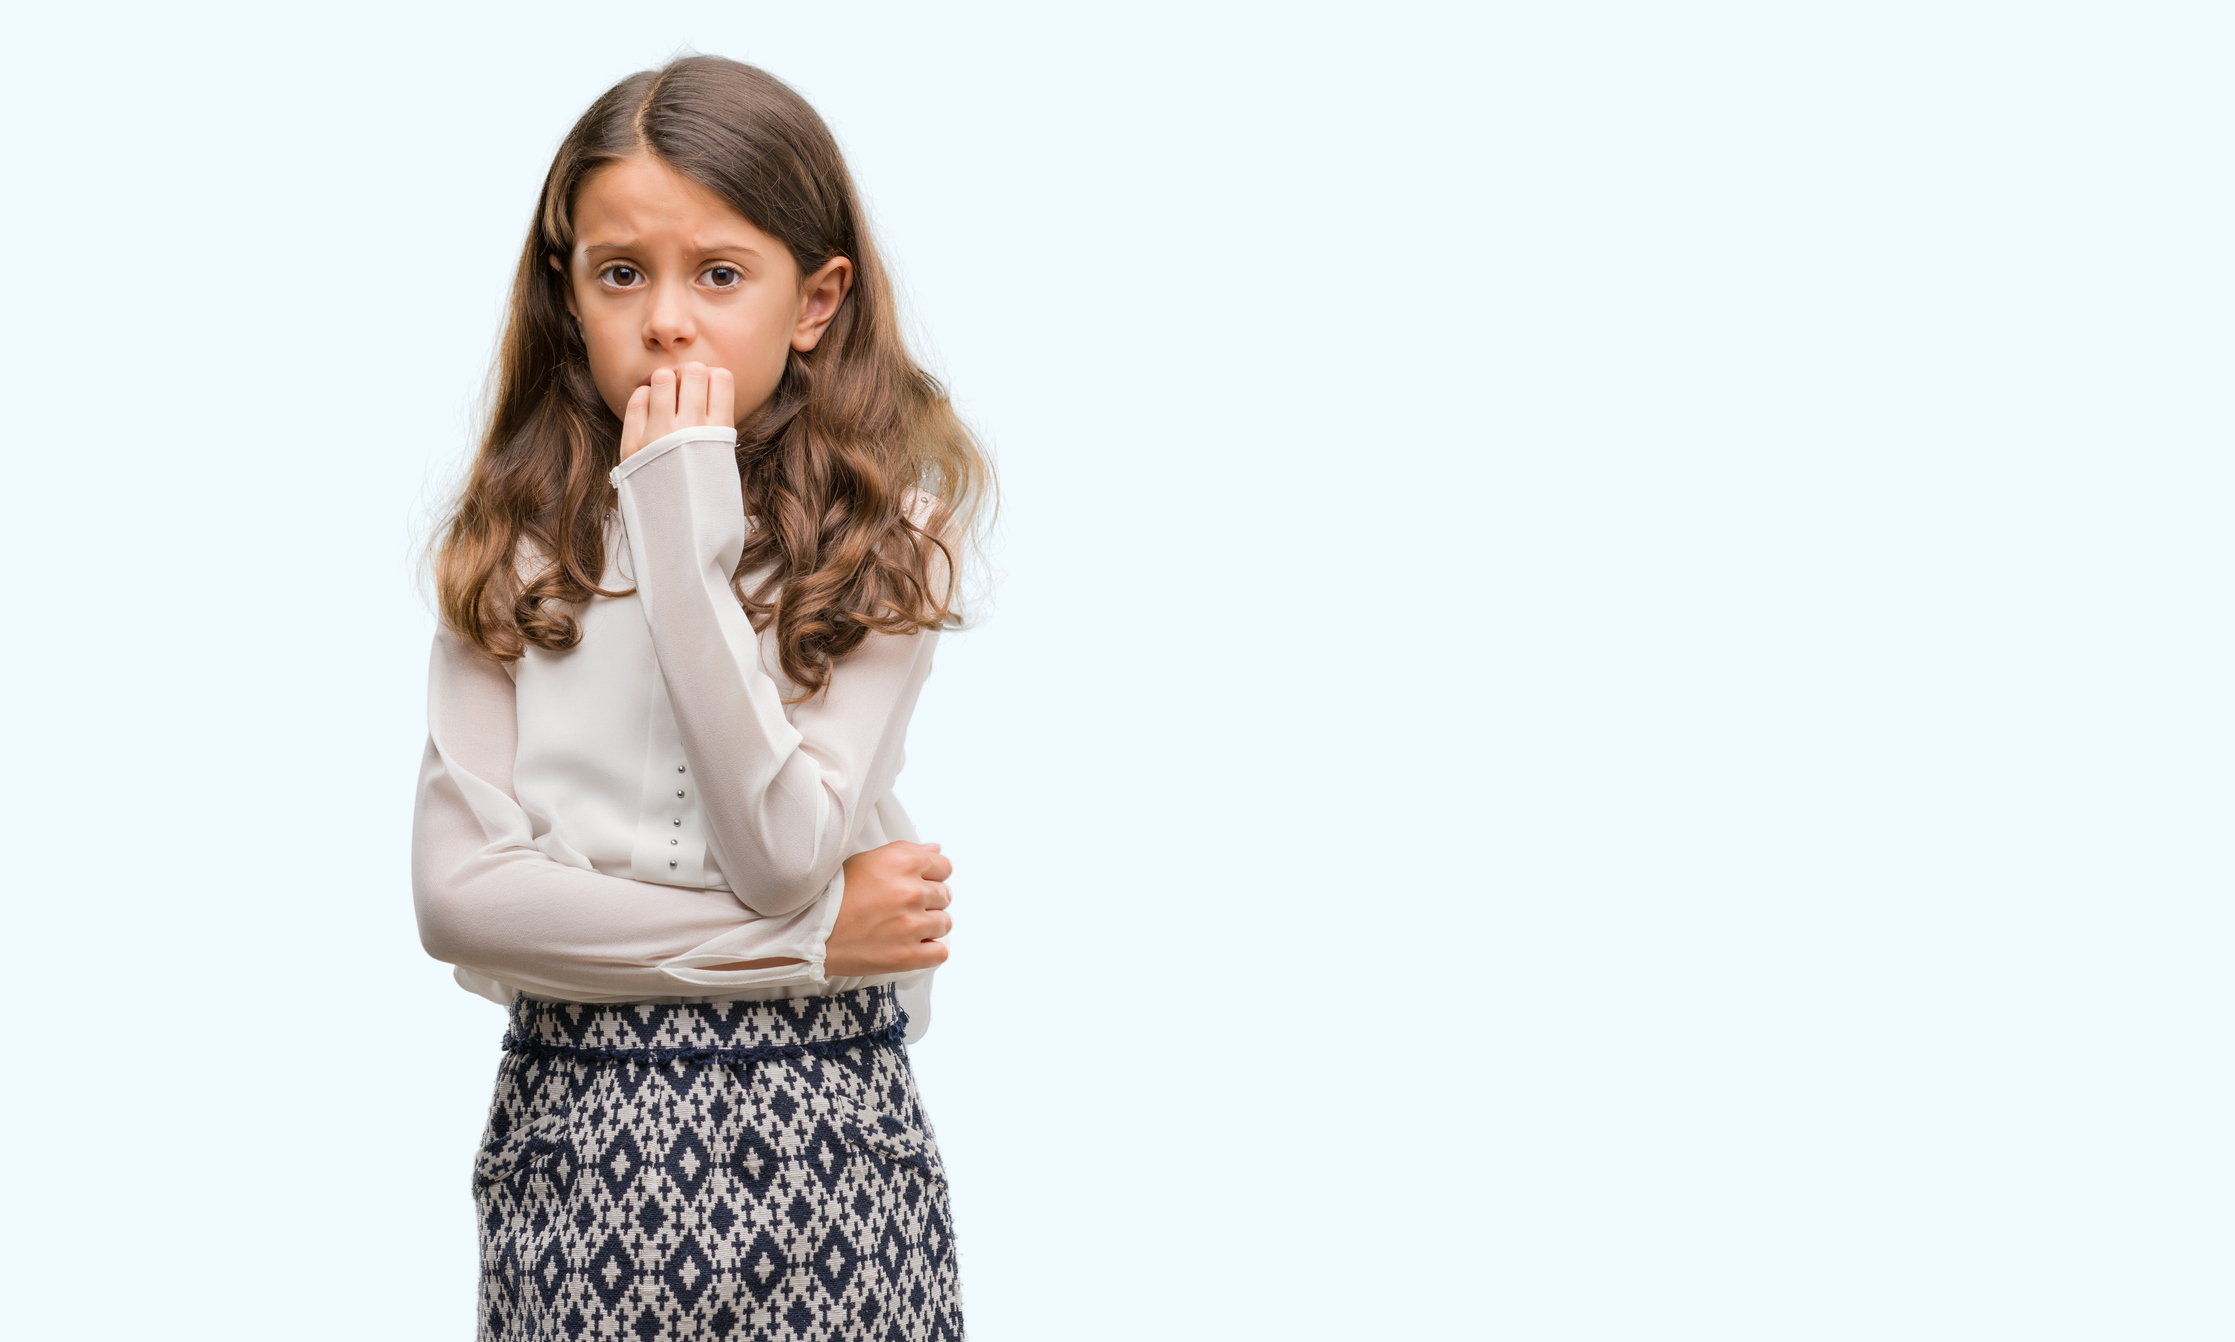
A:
(599, 825)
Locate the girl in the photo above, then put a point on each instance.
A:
(689, 595)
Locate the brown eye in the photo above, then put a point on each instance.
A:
(623, 276)
(722, 277)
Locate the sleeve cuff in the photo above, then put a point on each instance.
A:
(660, 447)
(806, 939)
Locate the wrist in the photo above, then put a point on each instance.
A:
(827, 907)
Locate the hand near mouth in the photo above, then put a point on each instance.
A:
(677, 398)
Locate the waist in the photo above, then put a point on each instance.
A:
(785, 1027)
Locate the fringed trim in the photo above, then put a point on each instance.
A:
(888, 1037)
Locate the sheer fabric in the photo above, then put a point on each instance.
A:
(599, 825)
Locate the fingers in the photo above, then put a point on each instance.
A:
(680, 398)
(937, 925)
(936, 895)
(910, 859)
(633, 421)
(690, 397)
(662, 420)
(721, 397)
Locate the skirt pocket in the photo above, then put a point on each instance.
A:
(887, 1137)
(528, 1123)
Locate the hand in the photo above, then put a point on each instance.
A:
(894, 905)
(675, 398)
(893, 912)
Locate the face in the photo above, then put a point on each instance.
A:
(665, 273)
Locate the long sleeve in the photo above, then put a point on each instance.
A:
(491, 903)
(782, 793)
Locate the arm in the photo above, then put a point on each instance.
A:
(489, 902)
(893, 916)
(782, 793)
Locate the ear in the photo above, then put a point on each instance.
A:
(819, 298)
(566, 288)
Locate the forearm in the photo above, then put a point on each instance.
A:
(782, 790)
(490, 901)
(566, 934)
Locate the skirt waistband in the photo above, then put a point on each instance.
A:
(788, 1027)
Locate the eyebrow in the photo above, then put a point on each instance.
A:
(706, 250)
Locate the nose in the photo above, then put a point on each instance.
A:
(670, 325)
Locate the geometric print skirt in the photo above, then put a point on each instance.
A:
(725, 1171)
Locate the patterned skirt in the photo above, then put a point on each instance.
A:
(739, 1170)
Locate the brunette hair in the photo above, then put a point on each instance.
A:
(861, 478)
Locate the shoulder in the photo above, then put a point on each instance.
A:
(456, 660)
(939, 533)
(934, 516)
(945, 555)
(532, 559)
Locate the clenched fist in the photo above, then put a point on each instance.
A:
(894, 914)
(890, 917)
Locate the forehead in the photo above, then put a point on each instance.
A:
(641, 201)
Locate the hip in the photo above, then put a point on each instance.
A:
(660, 1165)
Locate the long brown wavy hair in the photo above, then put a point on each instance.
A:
(860, 477)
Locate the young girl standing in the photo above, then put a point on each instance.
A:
(690, 593)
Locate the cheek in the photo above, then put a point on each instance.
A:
(755, 356)
(610, 363)
(756, 381)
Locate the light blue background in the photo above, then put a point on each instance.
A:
(1606, 715)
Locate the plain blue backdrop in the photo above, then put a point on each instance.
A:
(1605, 714)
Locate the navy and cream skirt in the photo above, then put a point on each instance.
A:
(736, 1170)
